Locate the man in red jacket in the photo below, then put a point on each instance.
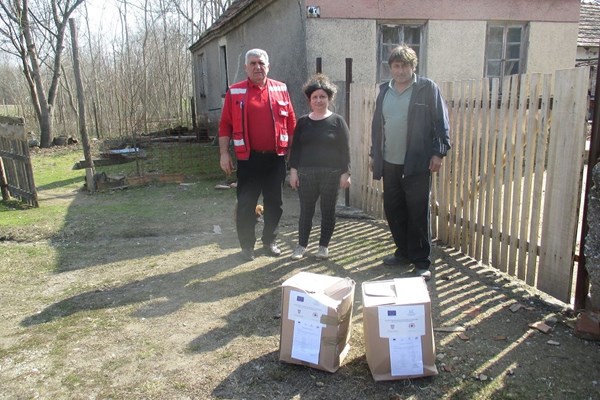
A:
(258, 116)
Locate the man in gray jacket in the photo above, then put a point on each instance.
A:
(410, 137)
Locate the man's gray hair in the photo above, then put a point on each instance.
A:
(257, 53)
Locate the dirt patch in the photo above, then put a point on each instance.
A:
(160, 306)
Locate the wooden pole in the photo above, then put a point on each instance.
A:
(583, 281)
(87, 152)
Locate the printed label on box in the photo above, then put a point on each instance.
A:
(306, 344)
(406, 356)
(303, 307)
(397, 321)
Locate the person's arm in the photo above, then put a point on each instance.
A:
(225, 158)
(441, 125)
(345, 138)
(225, 132)
(294, 180)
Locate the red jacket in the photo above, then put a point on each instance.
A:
(234, 118)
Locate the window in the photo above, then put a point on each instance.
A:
(201, 76)
(223, 64)
(391, 36)
(505, 50)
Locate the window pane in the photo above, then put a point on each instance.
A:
(514, 35)
(496, 34)
(511, 68)
(513, 51)
(389, 34)
(494, 51)
(412, 36)
(493, 68)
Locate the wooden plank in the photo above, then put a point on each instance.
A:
(528, 173)
(476, 152)
(508, 173)
(483, 165)
(467, 136)
(541, 146)
(567, 143)
(490, 172)
(499, 175)
(458, 166)
(517, 180)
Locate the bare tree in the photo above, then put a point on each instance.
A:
(28, 32)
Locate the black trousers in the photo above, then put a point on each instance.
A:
(262, 173)
(406, 206)
(317, 183)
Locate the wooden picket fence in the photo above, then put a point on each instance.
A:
(16, 171)
(509, 191)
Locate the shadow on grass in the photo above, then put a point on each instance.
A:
(59, 184)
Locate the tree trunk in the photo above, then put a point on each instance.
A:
(87, 152)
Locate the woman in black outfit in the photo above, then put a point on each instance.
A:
(319, 163)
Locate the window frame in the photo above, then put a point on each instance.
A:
(201, 75)
(224, 79)
(382, 55)
(504, 68)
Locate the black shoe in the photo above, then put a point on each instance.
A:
(395, 260)
(247, 254)
(272, 249)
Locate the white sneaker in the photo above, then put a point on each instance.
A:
(322, 253)
(298, 253)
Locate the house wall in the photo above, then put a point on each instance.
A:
(455, 50)
(511, 10)
(552, 46)
(264, 30)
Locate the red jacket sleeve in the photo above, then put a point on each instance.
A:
(226, 124)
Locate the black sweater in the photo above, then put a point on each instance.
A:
(323, 143)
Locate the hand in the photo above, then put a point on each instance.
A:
(294, 180)
(435, 163)
(345, 180)
(226, 163)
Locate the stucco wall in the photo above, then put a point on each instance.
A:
(270, 29)
(552, 46)
(336, 40)
(511, 10)
(455, 50)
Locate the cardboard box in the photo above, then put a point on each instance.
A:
(316, 315)
(398, 329)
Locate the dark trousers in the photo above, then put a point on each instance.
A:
(262, 173)
(406, 206)
(315, 183)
